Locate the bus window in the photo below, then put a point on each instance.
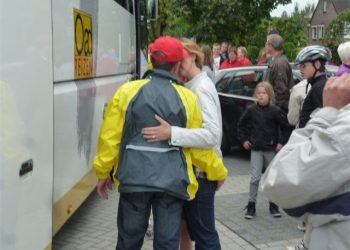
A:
(126, 4)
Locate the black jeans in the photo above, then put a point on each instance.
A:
(133, 214)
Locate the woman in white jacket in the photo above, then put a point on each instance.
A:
(310, 177)
(199, 213)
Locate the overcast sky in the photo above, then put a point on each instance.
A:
(290, 7)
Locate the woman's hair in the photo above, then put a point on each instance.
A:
(208, 59)
(344, 52)
(232, 49)
(193, 49)
(269, 90)
(244, 50)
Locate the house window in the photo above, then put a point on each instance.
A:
(314, 32)
(325, 6)
(320, 31)
(347, 30)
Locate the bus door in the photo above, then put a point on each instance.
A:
(26, 124)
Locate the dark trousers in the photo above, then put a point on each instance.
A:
(200, 217)
(133, 214)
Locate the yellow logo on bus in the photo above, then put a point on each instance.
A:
(83, 45)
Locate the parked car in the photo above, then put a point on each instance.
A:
(236, 87)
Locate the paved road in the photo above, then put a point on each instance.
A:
(93, 226)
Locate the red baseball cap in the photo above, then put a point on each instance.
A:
(169, 49)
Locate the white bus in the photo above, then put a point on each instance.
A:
(60, 63)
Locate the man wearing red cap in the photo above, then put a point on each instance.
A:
(156, 175)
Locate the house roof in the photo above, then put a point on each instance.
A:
(341, 5)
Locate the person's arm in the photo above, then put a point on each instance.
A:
(280, 76)
(108, 145)
(303, 171)
(294, 105)
(244, 128)
(205, 159)
(284, 126)
(209, 135)
(206, 136)
(317, 94)
(314, 164)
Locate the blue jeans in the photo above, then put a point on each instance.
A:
(133, 214)
(200, 217)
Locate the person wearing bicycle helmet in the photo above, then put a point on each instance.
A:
(312, 61)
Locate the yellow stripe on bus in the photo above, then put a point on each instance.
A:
(65, 207)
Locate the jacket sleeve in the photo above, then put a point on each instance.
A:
(209, 135)
(284, 126)
(281, 78)
(205, 159)
(208, 161)
(109, 140)
(294, 105)
(317, 96)
(314, 164)
(244, 126)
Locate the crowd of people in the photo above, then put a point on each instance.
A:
(160, 144)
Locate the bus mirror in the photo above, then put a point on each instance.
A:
(152, 9)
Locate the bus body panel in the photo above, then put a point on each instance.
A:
(79, 104)
(26, 124)
(75, 143)
(50, 120)
(114, 43)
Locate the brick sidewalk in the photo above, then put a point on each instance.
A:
(93, 226)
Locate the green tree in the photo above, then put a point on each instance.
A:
(290, 50)
(336, 33)
(253, 53)
(217, 20)
(294, 28)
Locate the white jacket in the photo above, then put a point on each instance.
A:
(210, 134)
(310, 178)
(296, 100)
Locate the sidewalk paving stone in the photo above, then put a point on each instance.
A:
(93, 226)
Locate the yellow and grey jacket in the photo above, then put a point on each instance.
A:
(140, 166)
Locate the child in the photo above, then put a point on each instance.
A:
(263, 128)
(312, 61)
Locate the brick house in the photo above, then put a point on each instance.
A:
(325, 12)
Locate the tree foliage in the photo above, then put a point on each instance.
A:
(338, 29)
(253, 53)
(240, 22)
(292, 28)
(217, 20)
(337, 32)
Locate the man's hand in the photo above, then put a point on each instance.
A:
(336, 93)
(158, 133)
(278, 147)
(103, 186)
(247, 145)
(219, 184)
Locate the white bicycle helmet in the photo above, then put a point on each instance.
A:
(313, 53)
